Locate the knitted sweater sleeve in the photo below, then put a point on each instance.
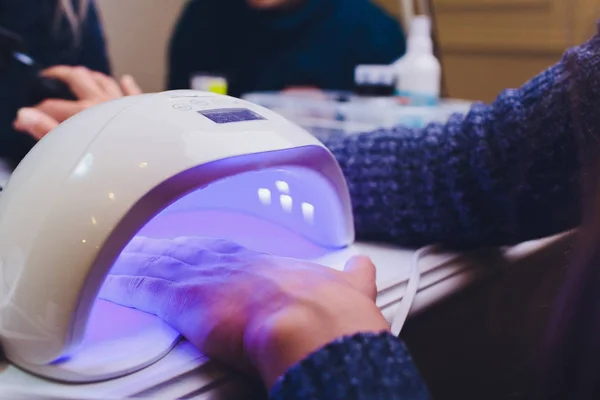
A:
(501, 174)
(362, 367)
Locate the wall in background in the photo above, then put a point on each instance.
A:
(138, 33)
(392, 6)
(494, 44)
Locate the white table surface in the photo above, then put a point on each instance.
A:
(186, 373)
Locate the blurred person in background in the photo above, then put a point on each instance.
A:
(260, 45)
(65, 38)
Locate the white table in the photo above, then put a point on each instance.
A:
(187, 373)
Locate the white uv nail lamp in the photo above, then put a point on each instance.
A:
(161, 165)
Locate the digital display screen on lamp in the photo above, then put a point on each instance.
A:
(229, 115)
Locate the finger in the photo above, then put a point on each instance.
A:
(196, 251)
(150, 295)
(34, 122)
(144, 244)
(108, 85)
(155, 246)
(61, 110)
(154, 266)
(129, 86)
(361, 273)
(175, 260)
(79, 79)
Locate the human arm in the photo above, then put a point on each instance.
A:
(266, 315)
(502, 174)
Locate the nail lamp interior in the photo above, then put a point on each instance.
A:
(165, 165)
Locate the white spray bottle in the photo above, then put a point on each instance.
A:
(419, 71)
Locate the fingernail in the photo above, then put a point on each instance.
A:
(27, 117)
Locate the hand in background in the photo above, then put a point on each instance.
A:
(252, 311)
(90, 88)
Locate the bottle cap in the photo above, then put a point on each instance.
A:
(419, 39)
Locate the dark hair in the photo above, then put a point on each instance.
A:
(74, 12)
(570, 363)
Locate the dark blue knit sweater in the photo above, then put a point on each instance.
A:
(358, 367)
(502, 174)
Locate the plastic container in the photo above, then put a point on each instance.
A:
(375, 80)
(340, 113)
(208, 82)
